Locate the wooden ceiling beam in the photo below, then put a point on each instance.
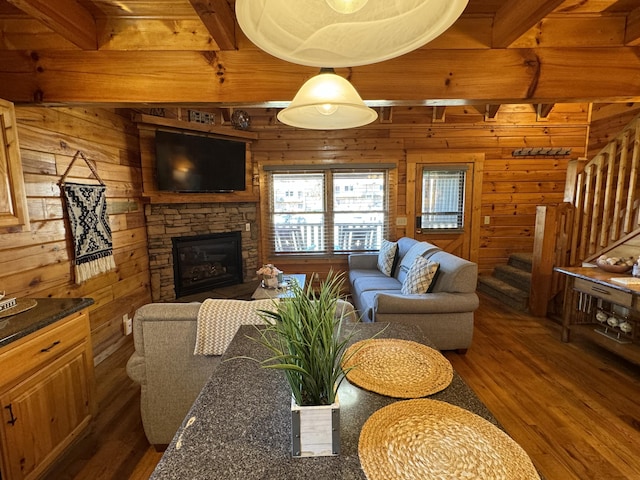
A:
(252, 77)
(544, 109)
(491, 110)
(220, 21)
(437, 116)
(65, 17)
(516, 17)
(632, 30)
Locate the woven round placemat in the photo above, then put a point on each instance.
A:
(22, 305)
(423, 438)
(397, 368)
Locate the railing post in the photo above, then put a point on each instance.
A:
(543, 258)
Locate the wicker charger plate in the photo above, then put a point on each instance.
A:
(397, 368)
(422, 438)
(22, 305)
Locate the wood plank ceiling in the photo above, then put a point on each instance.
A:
(191, 52)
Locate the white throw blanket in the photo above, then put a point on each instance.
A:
(219, 320)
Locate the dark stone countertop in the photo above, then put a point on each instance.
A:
(240, 425)
(46, 312)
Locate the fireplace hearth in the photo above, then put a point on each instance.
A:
(203, 262)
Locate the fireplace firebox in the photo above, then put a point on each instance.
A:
(203, 262)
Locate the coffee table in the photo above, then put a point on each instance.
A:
(239, 427)
(262, 293)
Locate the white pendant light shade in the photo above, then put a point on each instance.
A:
(327, 102)
(344, 33)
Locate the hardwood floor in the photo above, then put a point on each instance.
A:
(574, 408)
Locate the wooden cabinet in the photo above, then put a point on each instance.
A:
(47, 395)
(13, 200)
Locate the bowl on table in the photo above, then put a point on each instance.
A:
(622, 268)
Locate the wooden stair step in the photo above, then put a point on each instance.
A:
(521, 260)
(507, 294)
(514, 276)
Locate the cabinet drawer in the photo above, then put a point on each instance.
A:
(40, 348)
(605, 292)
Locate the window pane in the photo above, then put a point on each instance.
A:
(442, 199)
(359, 192)
(299, 233)
(359, 203)
(298, 212)
(298, 192)
(358, 232)
(302, 220)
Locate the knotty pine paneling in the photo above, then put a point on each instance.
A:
(607, 121)
(512, 187)
(37, 263)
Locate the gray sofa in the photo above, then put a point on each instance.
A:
(169, 374)
(445, 314)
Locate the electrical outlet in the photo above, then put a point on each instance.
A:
(247, 227)
(487, 219)
(127, 324)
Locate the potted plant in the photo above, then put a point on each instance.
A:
(304, 336)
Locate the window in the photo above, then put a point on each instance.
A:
(335, 211)
(442, 199)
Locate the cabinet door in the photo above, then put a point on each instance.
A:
(13, 200)
(43, 414)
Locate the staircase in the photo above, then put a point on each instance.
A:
(510, 283)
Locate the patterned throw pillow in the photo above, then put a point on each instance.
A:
(387, 256)
(419, 276)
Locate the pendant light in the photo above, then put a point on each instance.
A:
(327, 102)
(344, 33)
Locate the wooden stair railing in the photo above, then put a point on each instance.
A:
(602, 211)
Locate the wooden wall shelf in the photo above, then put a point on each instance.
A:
(170, 197)
(152, 120)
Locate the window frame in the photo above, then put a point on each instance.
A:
(328, 172)
(462, 172)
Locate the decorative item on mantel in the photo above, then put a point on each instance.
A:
(304, 336)
(89, 224)
(271, 276)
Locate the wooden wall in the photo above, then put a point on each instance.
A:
(512, 187)
(37, 263)
(607, 121)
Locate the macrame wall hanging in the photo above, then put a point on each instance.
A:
(87, 208)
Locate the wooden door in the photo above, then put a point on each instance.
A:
(43, 414)
(464, 240)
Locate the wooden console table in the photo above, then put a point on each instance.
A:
(591, 297)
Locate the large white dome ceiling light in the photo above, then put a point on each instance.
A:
(344, 33)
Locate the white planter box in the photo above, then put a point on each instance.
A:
(315, 430)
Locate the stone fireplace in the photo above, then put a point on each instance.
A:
(167, 222)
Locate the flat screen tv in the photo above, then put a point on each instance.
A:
(193, 163)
